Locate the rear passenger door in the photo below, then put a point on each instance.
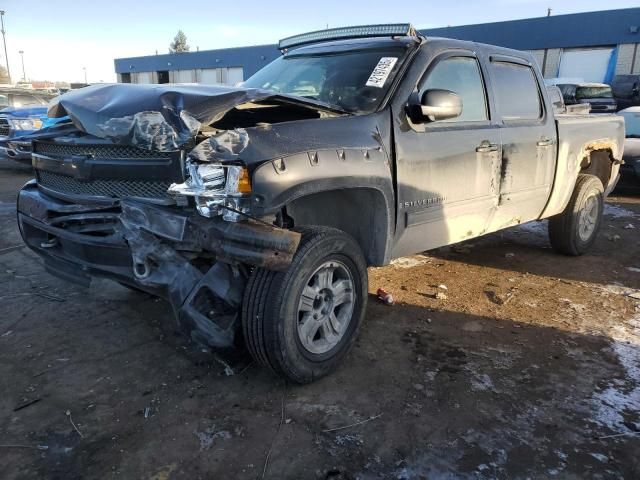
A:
(528, 137)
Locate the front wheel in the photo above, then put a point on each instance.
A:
(302, 322)
(574, 231)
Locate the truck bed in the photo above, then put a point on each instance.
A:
(578, 135)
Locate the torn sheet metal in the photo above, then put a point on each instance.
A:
(207, 306)
(251, 242)
(156, 117)
(226, 145)
(206, 303)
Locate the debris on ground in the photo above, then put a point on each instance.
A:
(385, 297)
(353, 424)
(440, 296)
(629, 226)
(68, 414)
(500, 298)
(26, 404)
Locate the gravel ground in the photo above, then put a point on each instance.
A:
(500, 359)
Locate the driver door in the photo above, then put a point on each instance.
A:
(448, 171)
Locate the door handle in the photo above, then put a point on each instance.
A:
(545, 142)
(486, 147)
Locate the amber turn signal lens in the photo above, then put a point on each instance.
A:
(244, 182)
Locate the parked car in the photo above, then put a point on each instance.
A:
(556, 99)
(626, 90)
(17, 147)
(631, 157)
(256, 210)
(16, 123)
(19, 97)
(598, 95)
(21, 114)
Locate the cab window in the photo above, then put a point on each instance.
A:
(460, 75)
(516, 91)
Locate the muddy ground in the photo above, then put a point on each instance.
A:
(526, 366)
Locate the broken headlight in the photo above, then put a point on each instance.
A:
(217, 189)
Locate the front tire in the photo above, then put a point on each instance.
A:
(574, 231)
(302, 322)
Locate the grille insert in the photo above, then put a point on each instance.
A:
(4, 127)
(96, 151)
(103, 188)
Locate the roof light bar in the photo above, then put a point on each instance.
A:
(363, 31)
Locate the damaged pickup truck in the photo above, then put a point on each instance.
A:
(255, 211)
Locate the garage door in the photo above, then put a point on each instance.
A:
(183, 76)
(143, 77)
(209, 76)
(590, 65)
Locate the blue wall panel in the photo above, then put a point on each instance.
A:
(610, 27)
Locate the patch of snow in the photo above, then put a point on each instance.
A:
(619, 289)
(634, 269)
(616, 211)
(621, 397)
(410, 262)
(481, 382)
(535, 228)
(209, 436)
(600, 457)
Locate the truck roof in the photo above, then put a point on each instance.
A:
(352, 44)
(407, 41)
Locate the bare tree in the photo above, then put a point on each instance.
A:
(179, 43)
(4, 76)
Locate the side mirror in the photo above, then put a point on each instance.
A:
(437, 104)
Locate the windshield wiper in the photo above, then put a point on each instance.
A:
(314, 102)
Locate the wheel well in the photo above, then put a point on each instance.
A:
(360, 212)
(598, 163)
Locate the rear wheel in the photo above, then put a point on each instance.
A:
(302, 322)
(574, 231)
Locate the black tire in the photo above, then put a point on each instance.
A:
(270, 312)
(564, 228)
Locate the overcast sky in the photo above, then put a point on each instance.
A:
(61, 37)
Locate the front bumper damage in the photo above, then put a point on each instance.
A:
(199, 265)
(19, 151)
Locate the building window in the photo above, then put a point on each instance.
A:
(163, 76)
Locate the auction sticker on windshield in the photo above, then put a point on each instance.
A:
(381, 72)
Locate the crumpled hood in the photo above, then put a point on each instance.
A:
(25, 112)
(154, 117)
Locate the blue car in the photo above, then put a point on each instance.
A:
(16, 122)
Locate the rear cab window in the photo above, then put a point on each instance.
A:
(587, 91)
(516, 91)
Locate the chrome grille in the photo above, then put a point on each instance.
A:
(103, 188)
(96, 151)
(4, 127)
